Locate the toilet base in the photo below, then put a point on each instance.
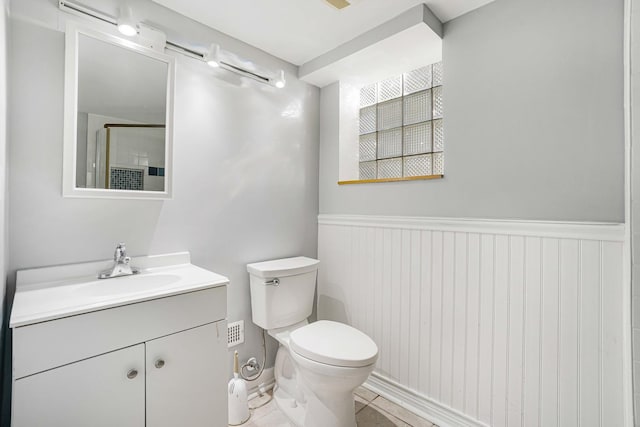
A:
(331, 412)
(315, 413)
(323, 399)
(294, 411)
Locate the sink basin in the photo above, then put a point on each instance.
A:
(126, 284)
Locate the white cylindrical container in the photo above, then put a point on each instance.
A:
(238, 403)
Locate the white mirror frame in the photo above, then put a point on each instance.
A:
(69, 188)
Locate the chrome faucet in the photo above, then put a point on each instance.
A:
(121, 266)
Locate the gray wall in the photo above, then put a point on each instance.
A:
(4, 358)
(635, 200)
(245, 158)
(81, 142)
(4, 37)
(533, 120)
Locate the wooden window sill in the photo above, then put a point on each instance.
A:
(409, 178)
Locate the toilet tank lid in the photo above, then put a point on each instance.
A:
(283, 267)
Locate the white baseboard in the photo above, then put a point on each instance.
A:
(266, 380)
(421, 405)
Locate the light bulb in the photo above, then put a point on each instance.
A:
(126, 23)
(212, 56)
(127, 30)
(280, 81)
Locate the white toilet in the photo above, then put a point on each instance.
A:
(318, 365)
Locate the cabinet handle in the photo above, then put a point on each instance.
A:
(159, 363)
(132, 374)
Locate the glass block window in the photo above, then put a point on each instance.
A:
(401, 126)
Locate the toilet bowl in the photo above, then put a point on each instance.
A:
(319, 364)
(332, 359)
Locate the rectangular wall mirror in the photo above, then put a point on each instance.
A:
(118, 117)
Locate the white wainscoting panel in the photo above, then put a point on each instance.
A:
(484, 323)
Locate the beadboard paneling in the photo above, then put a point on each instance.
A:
(503, 323)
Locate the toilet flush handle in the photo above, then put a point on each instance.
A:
(273, 282)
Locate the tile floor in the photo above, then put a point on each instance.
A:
(371, 411)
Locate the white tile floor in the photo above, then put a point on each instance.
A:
(371, 411)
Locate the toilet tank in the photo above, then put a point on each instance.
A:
(282, 291)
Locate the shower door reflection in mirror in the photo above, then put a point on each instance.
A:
(130, 157)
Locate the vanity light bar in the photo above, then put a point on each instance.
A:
(230, 67)
(79, 9)
(244, 72)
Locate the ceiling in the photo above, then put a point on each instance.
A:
(301, 30)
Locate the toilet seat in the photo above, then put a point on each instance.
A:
(334, 343)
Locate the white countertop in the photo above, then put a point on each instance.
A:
(53, 292)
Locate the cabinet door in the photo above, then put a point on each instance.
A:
(98, 392)
(187, 378)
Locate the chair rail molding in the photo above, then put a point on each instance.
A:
(607, 231)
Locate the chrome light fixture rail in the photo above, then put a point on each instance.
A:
(127, 25)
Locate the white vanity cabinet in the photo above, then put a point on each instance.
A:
(156, 362)
(182, 370)
(94, 391)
